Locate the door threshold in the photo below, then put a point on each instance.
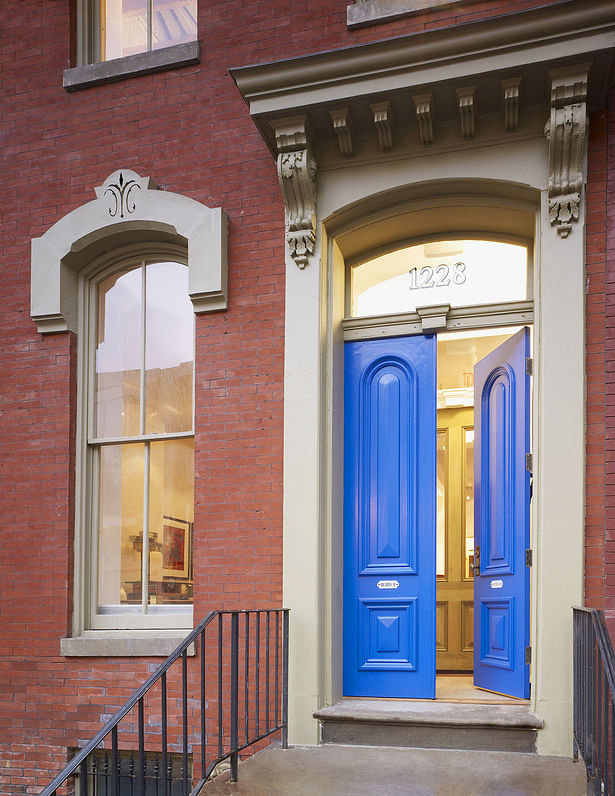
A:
(455, 688)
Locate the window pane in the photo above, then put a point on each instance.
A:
(174, 21)
(468, 499)
(169, 349)
(125, 28)
(459, 273)
(441, 470)
(118, 355)
(171, 512)
(120, 524)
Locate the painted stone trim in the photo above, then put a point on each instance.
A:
(124, 643)
(366, 12)
(128, 208)
(566, 131)
(173, 57)
(297, 176)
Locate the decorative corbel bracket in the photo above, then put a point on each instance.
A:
(342, 126)
(383, 121)
(511, 90)
(297, 176)
(566, 133)
(424, 116)
(466, 106)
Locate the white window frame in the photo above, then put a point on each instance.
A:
(158, 617)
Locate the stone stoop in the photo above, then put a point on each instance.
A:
(430, 725)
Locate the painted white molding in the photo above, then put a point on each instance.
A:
(424, 116)
(566, 133)
(383, 121)
(297, 176)
(343, 128)
(466, 106)
(128, 209)
(512, 92)
(433, 318)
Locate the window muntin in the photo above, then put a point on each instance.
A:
(455, 272)
(128, 27)
(141, 440)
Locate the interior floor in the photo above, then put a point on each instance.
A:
(459, 688)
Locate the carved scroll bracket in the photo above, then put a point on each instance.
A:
(297, 176)
(566, 133)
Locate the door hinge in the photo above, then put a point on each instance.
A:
(529, 462)
(529, 366)
(528, 557)
(528, 655)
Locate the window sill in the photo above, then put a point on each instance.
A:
(131, 66)
(369, 12)
(124, 643)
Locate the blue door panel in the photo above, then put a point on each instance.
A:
(388, 635)
(502, 518)
(497, 638)
(389, 517)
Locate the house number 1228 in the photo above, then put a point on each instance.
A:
(440, 277)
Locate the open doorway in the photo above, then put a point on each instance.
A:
(457, 548)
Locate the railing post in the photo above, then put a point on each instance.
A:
(84, 778)
(285, 679)
(185, 790)
(234, 693)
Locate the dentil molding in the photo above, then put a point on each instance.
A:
(297, 176)
(566, 133)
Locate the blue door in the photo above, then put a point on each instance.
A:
(389, 517)
(502, 518)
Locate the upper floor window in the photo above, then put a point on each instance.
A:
(140, 450)
(455, 272)
(128, 27)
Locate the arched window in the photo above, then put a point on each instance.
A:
(459, 273)
(138, 346)
(127, 272)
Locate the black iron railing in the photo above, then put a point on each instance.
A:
(194, 712)
(594, 699)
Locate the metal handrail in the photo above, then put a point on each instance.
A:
(594, 699)
(251, 693)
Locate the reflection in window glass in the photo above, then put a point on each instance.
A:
(468, 499)
(458, 272)
(441, 470)
(118, 353)
(135, 26)
(169, 337)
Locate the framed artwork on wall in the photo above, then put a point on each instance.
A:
(176, 548)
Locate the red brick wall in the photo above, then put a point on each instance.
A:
(600, 353)
(190, 130)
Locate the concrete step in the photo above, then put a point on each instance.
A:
(356, 770)
(430, 724)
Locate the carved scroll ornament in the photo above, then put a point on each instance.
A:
(297, 175)
(566, 132)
